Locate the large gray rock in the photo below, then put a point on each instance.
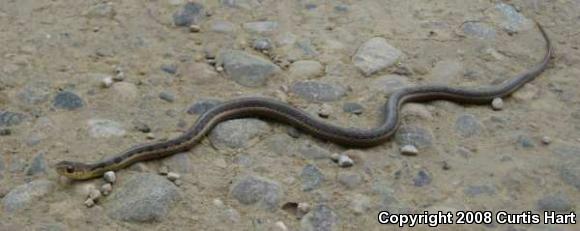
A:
(8, 118)
(142, 197)
(68, 100)
(247, 69)
(191, 13)
(312, 177)
(320, 218)
(257, 190)
(375, 55)
(237, 133)
(318, 91)
(24, 195)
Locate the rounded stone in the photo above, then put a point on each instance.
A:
(68, 100)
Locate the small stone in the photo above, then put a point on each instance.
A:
(194, 28)
(219, 69)
(546, 140)
(257, 190)
(169, 69)
(110, 177)
(497, 104)
(26, 195)
(94, 195)
(349, 180)
(100, 128)
(107, 82)
(325, 110)
(5, 132)
(303, 208)
(163, 170)
(479, 30)
(120, 76)
(345, 161)
(223, 27)
(8, 118)
(202, 106)
(468, 125)
(150, 136)
(375, 55)
(172, 176)
(354, 108)
(306, 69)
(312, 177)
(313, 151)
(68, 100)
(106, 189)
(37, 166)
(262, 44)
(320, 218)
(318, 91)
(141, 126)
(422, 179)
(334, 157)
(360, 204)
(409, 150)
(416, 136)
(167, 96)
(261, 26)
(280, 226)
(89, 203)
(191, 13)
(525, 142)
(237, 133)
(178, 182)
(247, 69)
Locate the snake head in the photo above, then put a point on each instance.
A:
(73, 170)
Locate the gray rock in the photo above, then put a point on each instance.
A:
(320, 218)
(25, 195)
(511, 19)
(100, 128)
(349, 180)
(8, 118)
(318, 91)
(143, 197)
(68, 100)
(525, 142)
(412, 135)
(202, 106)
(261, 26)
(313, 151)
(169, 68)
(423, 178)
(306, 47)
(467, 125)
(375, 55)
(342, 8)
(354, 108)
(167, 96)
(262, 44)
(570, 174)
(479, 30)
(192, 13)
(558, 202)
(237, 133)
(246, 69)
(34, 94)
(257, 190)
(281, 144)
(180, 162)
(221, 26)
(241, 4)
(37, 166)
(476, 190)
(311, 177)
(388, 84)
(141, 126)
(306, 69)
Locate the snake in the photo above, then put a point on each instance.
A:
(271, 109)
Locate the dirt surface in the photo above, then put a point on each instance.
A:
(476, 159)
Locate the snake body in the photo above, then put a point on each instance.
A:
(282, 112)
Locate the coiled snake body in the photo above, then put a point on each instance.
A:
(282, 112)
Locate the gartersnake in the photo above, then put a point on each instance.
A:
(271, 109)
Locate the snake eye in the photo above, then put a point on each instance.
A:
(69, 169)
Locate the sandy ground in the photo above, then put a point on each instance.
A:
(63, 45)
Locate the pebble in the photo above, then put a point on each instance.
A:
(37, 166)
(321, 217)
(180, 162)
(349, 180)
(264, 192)
(468, 125)
(306, 69)
(167, 96)
(141, 126)
(388, 84)
(89, 203)
(172, 176)
(194, 28)
(237, 133)
(497, 104)
(423, 178)
(102, 128)
(360, 204)
(313, 151)
(416, 110)
(68, 100)
(163, 170)
(262, 44)
(34, 93)
(150, 136)
(223, 27)
(143, 197)
(107, 82)
(476, 190)
(318, 91)
(511, 19)
(106, 189)
(303, 208)
(525, 142)
(409, 150)
(26, 195)
(261, 26)
(126, 92)
(169, 69)
(241, 4)
(247, 69)
(353, 108)
(325, 110)
(546, 140)
(445, 71)
(345, 161)
(311, 177)
(110, 177)
(280, 226)
(479, 30)
(191, 13)
(375, 55)
(334, 157)
(202, 106)
(558, 202)
(419, 137)
(8, 118)
(95, 195)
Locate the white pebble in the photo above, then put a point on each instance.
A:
(281, 226)
(163, 170)
(106, 189)
(325, 111)
(304, 207)
(334, 157)
(219, 68)
(497, 104)
(95, 195)
(409, 150)
(110, 177)
(345, 161)
(194, 28)
(89, 203)
(107, 82)
(150, 136)
(218, 203)
(172, 176)
(546, 140)
(178, 182)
